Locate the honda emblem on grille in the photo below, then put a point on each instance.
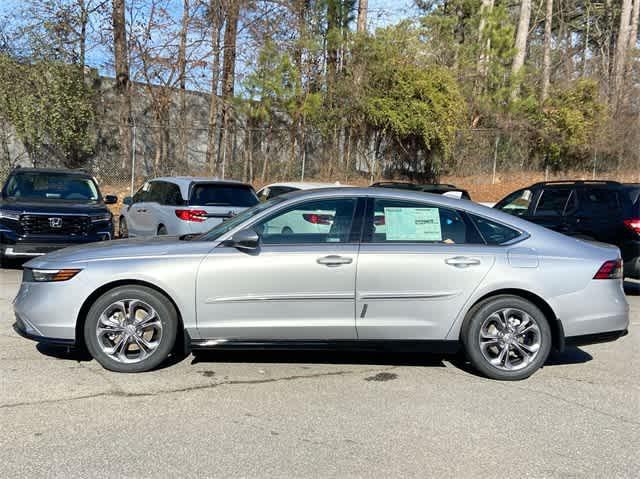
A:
(55, 222)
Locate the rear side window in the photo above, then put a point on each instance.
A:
(494, 233)
(173, 195)
(553, 202)
(397, 221)
(211, 194)
(601, 202)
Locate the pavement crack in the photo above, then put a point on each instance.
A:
(118, 392)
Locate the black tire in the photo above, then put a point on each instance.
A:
(162, 230)
(470, 337)
(123, 229)
(167, 315)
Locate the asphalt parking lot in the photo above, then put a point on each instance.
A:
(317, 414)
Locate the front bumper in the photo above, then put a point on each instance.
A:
(28, 331)
(13, 246)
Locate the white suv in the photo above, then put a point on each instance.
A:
(183, 205)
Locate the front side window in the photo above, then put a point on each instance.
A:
(51, 186)
(516, 203)
(397, 221)
(553, 202)
(317, 221)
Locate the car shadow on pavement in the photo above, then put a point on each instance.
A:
(319, 357)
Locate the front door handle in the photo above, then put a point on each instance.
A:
(462, 261)
(334, 260)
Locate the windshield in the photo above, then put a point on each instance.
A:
(212, 194)
(31, 185)
(231, 223)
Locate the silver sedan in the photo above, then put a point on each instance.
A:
(379, 269)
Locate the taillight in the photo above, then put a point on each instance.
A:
(197, 216)
(610, 270)
(318, 219)
(633, 225)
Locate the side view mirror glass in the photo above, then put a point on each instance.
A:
(247, 240)
(110, 199)
(127, 200)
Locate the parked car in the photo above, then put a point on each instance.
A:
(277, 189)
(436, 188)
(590, 210)
(183, 205)
(445, 274)
(311, 221)
(42, 210)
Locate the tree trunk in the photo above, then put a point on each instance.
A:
(622, 43)
(123, 87)
(82, 39)
(485, 10)
(546, 61)
(228, 74)
(521, 40)
(217, 19)
(633, 41)
(182, 82)
(362, 15)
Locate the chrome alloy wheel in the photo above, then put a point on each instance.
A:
(510, 339)
(129, 331)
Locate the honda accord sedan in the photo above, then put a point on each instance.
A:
(393, 270)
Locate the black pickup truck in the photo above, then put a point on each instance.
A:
(42, 210)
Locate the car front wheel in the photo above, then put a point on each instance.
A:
(131, 329)
(506, 338)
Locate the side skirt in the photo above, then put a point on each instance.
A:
(425, 346)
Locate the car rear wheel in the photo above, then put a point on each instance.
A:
(506, 338)
(131, 329)
(123, 230)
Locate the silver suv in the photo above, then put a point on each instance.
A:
(183, 205)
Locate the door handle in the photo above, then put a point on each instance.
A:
(462, 261)
(141, 210)
(334, 260)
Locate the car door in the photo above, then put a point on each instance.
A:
(418, 264)
(135, 212)
(552, 207)
(599, 215)
(297, 286)
(153, 210)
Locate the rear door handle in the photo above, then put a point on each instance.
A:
(334, 260)
(141, 210)
(462, 261)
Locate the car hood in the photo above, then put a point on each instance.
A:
(122, 250)
(52, 207)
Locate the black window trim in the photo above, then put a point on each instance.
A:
(355, 237)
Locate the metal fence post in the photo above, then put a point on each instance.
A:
(133, 158)
(495, 160)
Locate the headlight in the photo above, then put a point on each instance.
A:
(9, 215)
(101, 217)
(48, 275)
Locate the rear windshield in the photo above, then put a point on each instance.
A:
(51, 186)
(211, 194)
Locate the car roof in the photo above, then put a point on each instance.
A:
(65, 171)
(306, 185)
(575, 183)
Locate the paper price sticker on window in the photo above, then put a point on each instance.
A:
(413, 224)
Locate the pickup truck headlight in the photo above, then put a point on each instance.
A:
(101, 217)
(9, 215)
(48, 275)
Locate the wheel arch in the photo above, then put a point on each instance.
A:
(86, 305)
(557, 331)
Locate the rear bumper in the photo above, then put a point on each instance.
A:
(595, 338)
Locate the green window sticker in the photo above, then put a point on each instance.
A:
(412, 224)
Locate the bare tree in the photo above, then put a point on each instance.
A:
(228, 78)
(182, 81)
(485, 46)
(216, 19)
(362, 15)
(622, 44)
(522, 36)
(123, 87)
(546, 57)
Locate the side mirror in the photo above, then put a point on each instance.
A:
(245, 240)
(127, 200)
(110, 200)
